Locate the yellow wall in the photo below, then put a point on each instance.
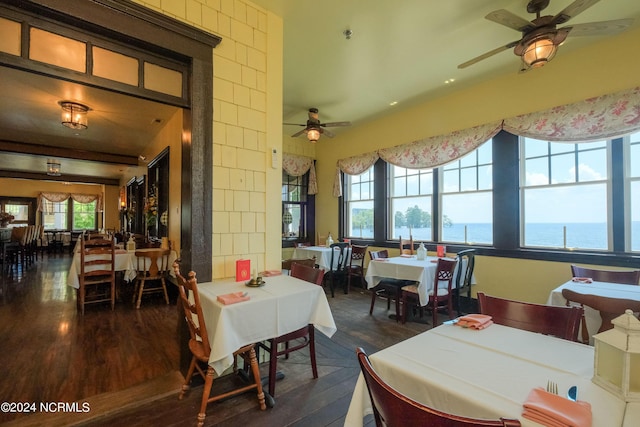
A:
(12, 187)
(247, 106)
(570, 77)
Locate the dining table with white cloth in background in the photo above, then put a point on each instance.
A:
(486, 373)
(408, 267)
(125, 261)
(603, 289)
(321, 253)
(283, 304)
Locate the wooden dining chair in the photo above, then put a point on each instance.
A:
(440, 298)
(287, 263)
(626, 277)
(151, 266)
(97, 278)
(201, 349)
(338, 266)
(303, 337)
(406, 245)
(387, 288)
(558, 321)
(464, 277)
(393, 409)
(321, 239)
(609, 309)
(355, 266)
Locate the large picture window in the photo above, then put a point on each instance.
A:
(633, 167)
(359, 204)
(54, 216)
(294, 206)
(564, 195)
(467, 202)
(410, 203)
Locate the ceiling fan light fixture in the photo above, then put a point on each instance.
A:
(313, 135)
(74, 115)
(53, 167)
(539, 51)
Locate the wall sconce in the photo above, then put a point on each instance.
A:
(617, 358)
(74, 115)
(53, 167)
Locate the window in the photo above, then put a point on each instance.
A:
(634, 189)
(410, 201)
(466, 200)
(54, 215)
(294, 206)
(84, 215)
(19, 211)
(564, 189)
(359, 204)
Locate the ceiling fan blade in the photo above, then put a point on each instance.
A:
(488, 54)
(334, 124)
(602, 28)
(293, 124)
(508, 19)
(572, 10)
(298, 133)
(327, 133)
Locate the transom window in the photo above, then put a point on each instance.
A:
(564, 188)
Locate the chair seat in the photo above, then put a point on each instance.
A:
(414, 289)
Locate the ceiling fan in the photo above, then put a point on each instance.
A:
(540, 37)
(314, 128)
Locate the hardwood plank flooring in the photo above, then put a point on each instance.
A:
(115, 360)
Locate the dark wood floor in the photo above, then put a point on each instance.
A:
(52, 354)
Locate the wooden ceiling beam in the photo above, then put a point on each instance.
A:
(63, 178)
(67, 153)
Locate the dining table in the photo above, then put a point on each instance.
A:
(408, 267)
(603, 289)
(321, 253)
(488, 374)
(125, 262)
(281, 305)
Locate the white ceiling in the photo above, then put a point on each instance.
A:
(400, 52)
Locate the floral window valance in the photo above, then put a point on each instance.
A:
(298, 166)
(46, 200)
(593, 119)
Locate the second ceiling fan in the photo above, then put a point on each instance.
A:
(314, 128)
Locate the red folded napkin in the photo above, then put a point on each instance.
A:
(475, 321)
(406, 256)
(582, 279)
(270, 273)
(555, 411)
(233, 298)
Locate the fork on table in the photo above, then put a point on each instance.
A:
(552, 387)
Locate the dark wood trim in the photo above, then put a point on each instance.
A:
(64, 178)
(67, 153)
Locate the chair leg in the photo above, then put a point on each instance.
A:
(405, 307)
(141, 288)
(273, 361)
(208, 382)
(255, 370)
(113, 294)
(398, 292)
(312, 350)
(164, 288)
(373, 300)
(186, 386)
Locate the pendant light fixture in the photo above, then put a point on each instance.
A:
(74, 115)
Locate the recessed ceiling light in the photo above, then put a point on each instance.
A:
(392, 103)
(449, 81)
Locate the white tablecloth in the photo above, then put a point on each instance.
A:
(604, 289)
(407, 268)
(125, 262)
(322, 254)
(284, 304)
(486, 374)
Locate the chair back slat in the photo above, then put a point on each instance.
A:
(339, 256)
(626, 277)
(379, 254)
(190, 300)
(393, 409)
(307, 273)
(561, 322)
